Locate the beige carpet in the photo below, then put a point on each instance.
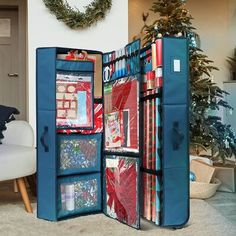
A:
(205, 220)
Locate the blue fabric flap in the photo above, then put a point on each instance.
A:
(175, 136)
(175, 205)
(81, 66)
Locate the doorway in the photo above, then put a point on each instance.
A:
(13, 55)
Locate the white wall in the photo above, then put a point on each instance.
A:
(215, 21)
(45, 30)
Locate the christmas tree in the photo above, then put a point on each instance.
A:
(207, 132)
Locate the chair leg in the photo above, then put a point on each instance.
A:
(24, 194)
(15, 186)
(26, 182)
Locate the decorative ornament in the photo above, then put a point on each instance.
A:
(209, 96)
(73, 18)
(192, 176)
(179, 34)
(226, 143)
(194, 39)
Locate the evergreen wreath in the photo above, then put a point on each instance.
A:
(73, 18)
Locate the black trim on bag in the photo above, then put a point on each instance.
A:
(98, 100)
(152, 172)
(151, 96)
(123, 154)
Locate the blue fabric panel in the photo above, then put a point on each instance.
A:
(46, 78)
(79, 157)
(175, 71)
(175, 136)
(175, 164)
(175, 205)
(81, 66)
(82, 204)
(46, 165)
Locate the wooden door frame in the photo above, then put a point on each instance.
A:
(21, 5)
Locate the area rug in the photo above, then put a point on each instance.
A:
(204, 220)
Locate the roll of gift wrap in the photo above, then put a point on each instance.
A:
(159, 52)
(117, 64)
(158, 72)
(154, 56)
(123, 63)
(70, 197)
(158, 159)
(63, 197)
(150, 80)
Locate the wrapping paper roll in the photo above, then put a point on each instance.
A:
(63, 197)
(70, 197)
(117, 64)
(158, 82)
(159, 52)
(154, 56)
(150, 80)
(158, 75)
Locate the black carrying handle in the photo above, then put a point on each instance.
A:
(42, 139)
(177, 136)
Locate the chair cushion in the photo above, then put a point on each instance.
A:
(16, 161)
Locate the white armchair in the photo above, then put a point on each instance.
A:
(18, 156)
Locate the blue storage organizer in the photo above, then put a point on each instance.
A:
(53, 180)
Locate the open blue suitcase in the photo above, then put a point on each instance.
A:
(76, 172)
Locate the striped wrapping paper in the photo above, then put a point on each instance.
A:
(153, 167)
(151, 158)
(144, 158)
(148, 160)
(158, 158)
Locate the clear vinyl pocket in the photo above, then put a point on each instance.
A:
(79, 153)
(74, 94)
(121, 115)
(79, 195)
(121, 189)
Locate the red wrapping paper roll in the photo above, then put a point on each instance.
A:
(159, 52)
(154, 56)
(150, 80)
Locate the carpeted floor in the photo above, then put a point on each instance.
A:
(14, 221)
